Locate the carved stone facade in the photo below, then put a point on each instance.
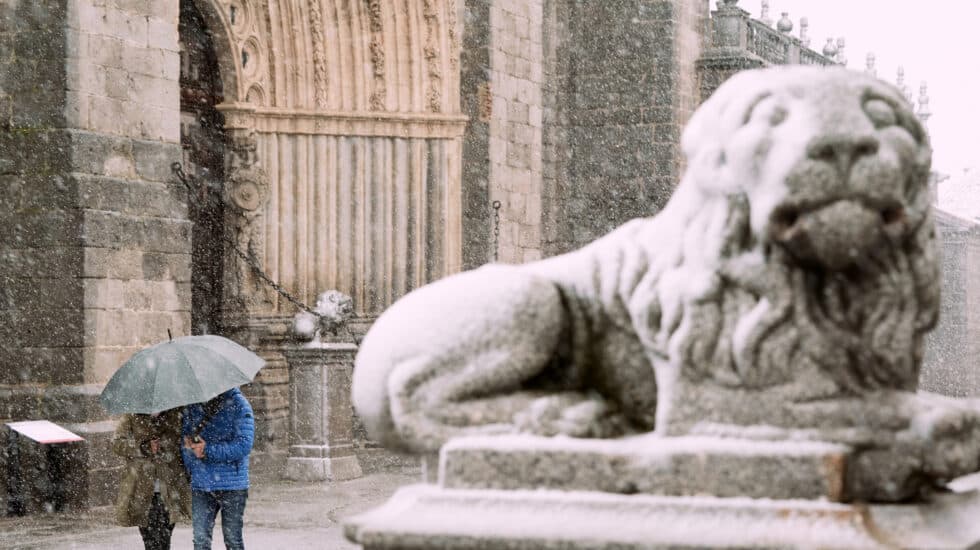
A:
(354, 182)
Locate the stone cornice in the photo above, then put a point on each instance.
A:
(347, 123)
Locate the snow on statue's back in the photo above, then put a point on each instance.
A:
(783, 293)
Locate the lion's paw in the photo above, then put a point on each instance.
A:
(950, 440)
(573, 415)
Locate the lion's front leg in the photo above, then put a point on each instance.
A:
(575, 414)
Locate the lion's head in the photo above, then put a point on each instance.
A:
(806, 206)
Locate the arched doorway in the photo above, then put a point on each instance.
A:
(203, 141)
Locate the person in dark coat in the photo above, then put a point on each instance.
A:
(218, 438)
(154, 493)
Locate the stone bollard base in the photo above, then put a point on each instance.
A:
(322, 469)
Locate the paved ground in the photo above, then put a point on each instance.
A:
(280, 515)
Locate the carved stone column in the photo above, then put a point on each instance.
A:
(320, 414)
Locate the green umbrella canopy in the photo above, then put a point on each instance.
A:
(190, 369)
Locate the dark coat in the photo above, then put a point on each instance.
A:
(142, 468)
(228, 440)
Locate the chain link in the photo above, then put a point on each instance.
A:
(178, 170)
(496, 227)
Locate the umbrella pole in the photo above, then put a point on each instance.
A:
(171, 336)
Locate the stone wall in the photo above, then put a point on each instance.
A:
(41, 316)
(950, 363)
(516, 74)
(97, 256)
(502, 79)
(624, 85)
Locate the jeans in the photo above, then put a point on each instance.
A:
(156, 533)
(205, 507)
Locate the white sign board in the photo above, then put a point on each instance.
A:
(44, 431)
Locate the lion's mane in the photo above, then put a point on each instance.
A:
(750, 314)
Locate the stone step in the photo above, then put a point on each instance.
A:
(676, 466)
(432, 517)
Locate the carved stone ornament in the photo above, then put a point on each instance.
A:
(782, 296)
(332, 311)
(246, 191)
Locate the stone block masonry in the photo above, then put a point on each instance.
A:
(502, 79)
(576, 110)
(516, 79)
(949, 365)
(95, 244)
(624, 85)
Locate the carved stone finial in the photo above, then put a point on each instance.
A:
(723, 4)
(869, 64)
(764, 14)
(923, 112)
(804, 35)
(900, 83)
(830, 49)
(840, 58)
(785, 24)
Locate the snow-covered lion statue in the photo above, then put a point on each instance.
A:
(783, 292)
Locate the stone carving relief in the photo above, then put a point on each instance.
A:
(454, 43)
(245, 24)
(782, 294)
(430, 12)
(379, 95)
(319, 56)
(246, 191)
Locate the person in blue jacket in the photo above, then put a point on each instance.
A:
(218, 438)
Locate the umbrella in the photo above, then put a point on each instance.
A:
(190, 369)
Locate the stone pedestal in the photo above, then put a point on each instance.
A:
(320, 414)
(531, 493)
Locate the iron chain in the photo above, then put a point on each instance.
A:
(496, 227)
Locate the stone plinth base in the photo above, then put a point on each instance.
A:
(429, 517)
(523, 492)
(322, 469)
(674, 466)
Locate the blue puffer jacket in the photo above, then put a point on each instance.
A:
(228, 441)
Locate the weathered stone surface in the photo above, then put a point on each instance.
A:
(502, 83)
(68, 404)
(949, 365)
(613, 103)
(681, 466)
